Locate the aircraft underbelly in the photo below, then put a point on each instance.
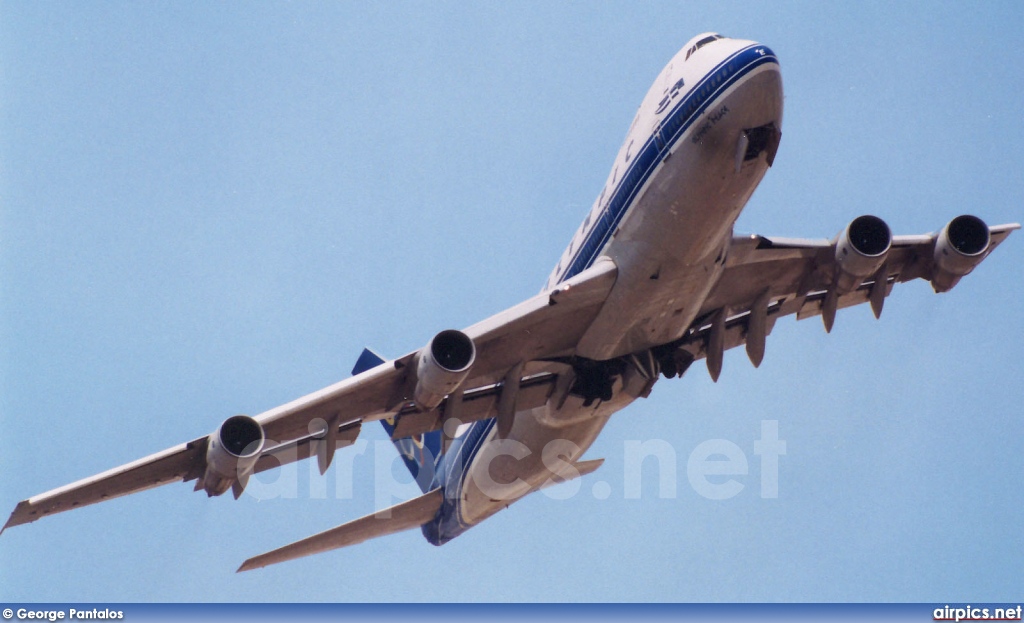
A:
(669, 250)
(536, 454)
(670, 247)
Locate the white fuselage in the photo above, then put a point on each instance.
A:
(665, 218)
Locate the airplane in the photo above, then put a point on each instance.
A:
(653, 280)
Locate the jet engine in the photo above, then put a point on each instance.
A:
(441, 366)
(231, 453)
(861, 249)
(961, 245)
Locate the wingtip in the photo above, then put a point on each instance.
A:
(17, 519)
(246, 566)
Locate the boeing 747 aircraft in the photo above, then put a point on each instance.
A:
(653, 280)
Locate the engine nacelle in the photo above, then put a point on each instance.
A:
(442, 366)
(231, 453)
(861, 249)
(961, 246)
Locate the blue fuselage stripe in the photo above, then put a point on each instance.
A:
(682, 116)
(455, 465)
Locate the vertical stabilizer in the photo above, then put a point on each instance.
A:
(421, 453)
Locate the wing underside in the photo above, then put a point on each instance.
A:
(768, 278)
(520, 338)
(763, 280)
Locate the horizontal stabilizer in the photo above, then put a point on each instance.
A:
(587, 467)
(578, 470)
(405, 516)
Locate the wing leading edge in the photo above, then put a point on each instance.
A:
(768, 278)
(763, 279)
(546, 325)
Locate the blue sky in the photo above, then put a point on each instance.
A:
(210, 209)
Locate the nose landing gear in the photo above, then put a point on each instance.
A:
(754, 141)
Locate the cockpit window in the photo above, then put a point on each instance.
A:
(703, 42)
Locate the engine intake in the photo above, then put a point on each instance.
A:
(861, 250)
(442, 366)
(960, 246)
(231, 453)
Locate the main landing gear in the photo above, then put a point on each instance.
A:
(594, 379)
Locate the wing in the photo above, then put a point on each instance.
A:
(765, 279)
(545, 326)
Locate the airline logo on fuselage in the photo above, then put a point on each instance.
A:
(671, 95)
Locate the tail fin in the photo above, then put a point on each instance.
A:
(367, 360)
(421, 453)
